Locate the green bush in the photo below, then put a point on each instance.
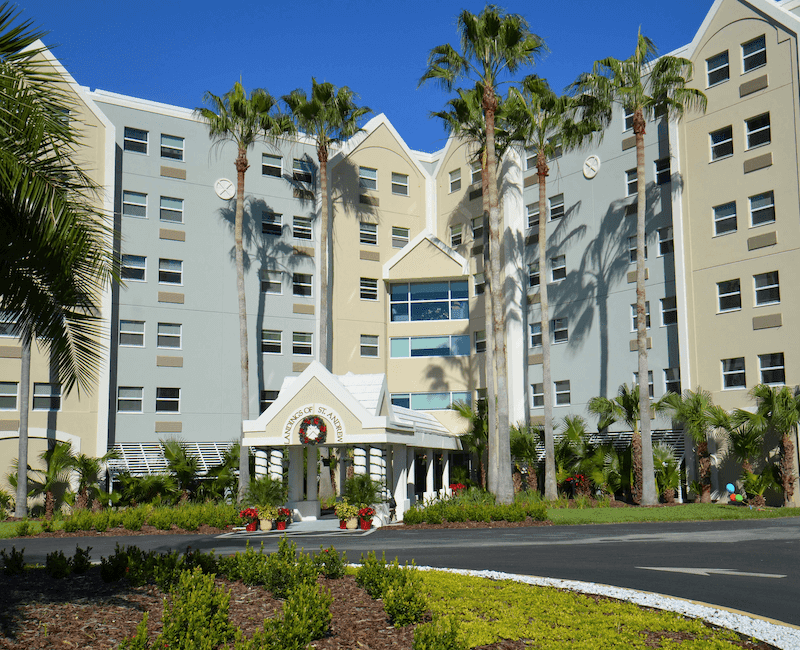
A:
(330, 563)
(13, 562)
(413, 516)
(362, 489)
(113, 567)
(58, 565)
(161, 518)
(265, 491)
(167, 570)
(79, 520)
(372, 574)
(439, 634)
(208, 562)
(286, 569)
(306, 616)
(81, 561)
(133, 518)
(247, 567)
(139, 640)
(403, 600)
(24, 528)
(101, 520)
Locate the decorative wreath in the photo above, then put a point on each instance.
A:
(313, 430)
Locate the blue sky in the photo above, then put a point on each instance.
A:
(172, 51)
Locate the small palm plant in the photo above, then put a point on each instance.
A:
(755, 485)
(668, 476)
(265, 491)
(525, 442)
(363, 490)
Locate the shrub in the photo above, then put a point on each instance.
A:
(207, 562)
(413, 516)
(80, 520)
(58, 565)
(403, 600)
(24, 528)
(330, 563)
(247, 567)
(362, 489)
(101, 520)
(13, 562)
(265, 491)
(286, 569)
(113, 567)
(439, 634)
(372, 574)
(167, 570)
(133, 518)
(161, 518)
(139, 640)
(47, 525)
(536, 511)
(306, 616)
(81, 560)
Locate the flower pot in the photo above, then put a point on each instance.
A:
(266, 524)
(251, 527)
(281, 525)
(352, 523)
(366, 524)
(343, 523)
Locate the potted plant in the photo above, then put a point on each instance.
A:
(347, 513)
(283, 517)
(249, 515)
(266, 515)
(365, 515)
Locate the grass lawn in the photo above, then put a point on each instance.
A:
(684, 512)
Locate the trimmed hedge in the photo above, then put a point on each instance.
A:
(457, 511)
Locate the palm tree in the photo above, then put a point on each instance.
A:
(646, 87)
(746, 435)
(329, 116)
(525, 441)
(541, 119)
(182, 465)
(54, 480)
(476, 439)
(573, 452)
(243, 120)
(89, 469)
(667, 472)
(493, 44)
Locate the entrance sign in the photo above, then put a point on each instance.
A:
(318, 425)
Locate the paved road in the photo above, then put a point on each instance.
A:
(609, 554)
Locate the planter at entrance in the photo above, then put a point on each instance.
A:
(266, 524)
(352, 523)
(343, 523)
(281, 525)
(366, 524)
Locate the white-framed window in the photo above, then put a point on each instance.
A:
(724, 218)
(721, 143)
(532, 211)
(430, 401)
(558, 150)
(272, 282)
(632, 250)
(767, 287)
(406, 347)
(772, 368)
(169, 335)
(8, 324)
(631, 183)
(762, 209)
(556, 207)
(729, 294)
(368, 178)
(303, 343)
(455, 180)
(302, 170)
(477, 172)
(368, 233)
(480, 341)
(627, 119)
(558, 268)
(135, 140)
(669, 311)
(754, 54)
(170, 271)
(369, 345)
(267, 398)
(400, 184)
(131, 333)
(301, 228)
(477, 229)
(479, 282)
(168, 400)
(537, 391)
(562, 396)
(533, 274)
(456, 234)
(46, 397)
(271, 341)
(666, 244)
(172, 147)
(171, 210)
(368, 289)
(672, 380)
(271, 224)
(718, 69)
(271, 165)
(758, 131)
(302, 284)
(421, 301)
(399, 237)
(530, 158)
(663, 173)
(560, 330)
(650, 387)
(634, 320)
(133, 268)
(733, 375)
(134, 204)
(8, 395)
(129, 399)
(536, 335)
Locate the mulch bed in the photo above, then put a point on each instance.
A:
(121, 532)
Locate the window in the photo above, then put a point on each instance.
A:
(627, 119)
(271, 165)
(368, 233)
(455, 180)
(479, 280)
(8, 395)
(399, 237)
(400, 184)
(561, 392)
(301, 284)
(430, 401)
(533, 274)
(721, 143)
(758, 131)
(635, 320)
(302, 170)
(560, 330)
(754, 54)
(301, 227)
(480, 341)
(631, 183)
(477, 229)
(662, 171)
(131, 333)
(718, 69)
(134, 204)
(632, 250)
(536, 335)
(558, 267)
(650, 388)
(455, 235)
(538, 394)
(665, 242)
(669, 311)
(271, 341)
(725, 218)
(556, 207)
(135, 140)
(730, 295)
(46, 397)
(772, 368)
(369, 289)
(133, 267)
(169, 335)
(768, 291)
(171, 147)
(8, 324)
(168, 400)
(271, 224)
(271, 282)
(170, 271)
(302, 343)
(430, 346)
(477, 172)
(672, 380)
(733, 373)
(129, 399)
(530, 158)
(762, 209)
(368, 178)
(480, 397)
(558, 150)
(533, 215)
(421, 301)
(171, 210)
(268, 397)
(369, 345)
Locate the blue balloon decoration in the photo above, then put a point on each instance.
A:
(730, 487)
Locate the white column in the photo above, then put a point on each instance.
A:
(341, 471)
(411, 473)
(445, 472)
(311, 473)
(276, 464)
(360, 460)
(400, 476)
(261, 462)
(429, 470)
(377, 464)
(295, 474)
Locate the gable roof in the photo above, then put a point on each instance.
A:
(425, 236)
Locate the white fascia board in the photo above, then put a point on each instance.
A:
(442, 153)
(425, 234)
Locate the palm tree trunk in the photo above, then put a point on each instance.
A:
(326, 317)
(21, 507)
(636, 461)
(787, 468)
(704, 472)
(491, 389)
